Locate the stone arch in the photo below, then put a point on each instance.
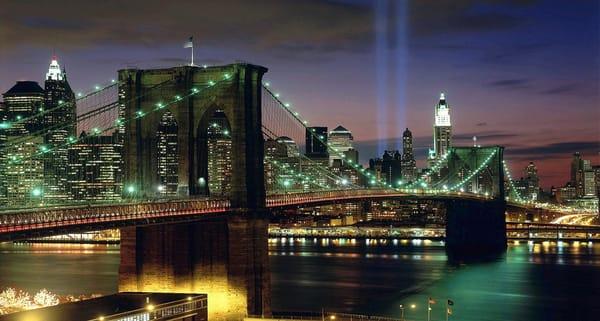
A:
(213, 134)
(236, 89)
(167, 160)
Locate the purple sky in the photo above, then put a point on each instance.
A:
(523, 74)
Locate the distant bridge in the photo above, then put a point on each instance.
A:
(58, 220)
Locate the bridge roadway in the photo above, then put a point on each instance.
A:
(56, 220)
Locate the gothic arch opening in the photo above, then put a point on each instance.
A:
(167, 155)
(214, 149)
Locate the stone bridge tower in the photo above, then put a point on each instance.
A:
(226, 257)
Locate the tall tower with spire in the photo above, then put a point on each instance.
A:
(409, 165)
(59, 119)
(442, 129)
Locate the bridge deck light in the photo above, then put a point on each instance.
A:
(97, 87)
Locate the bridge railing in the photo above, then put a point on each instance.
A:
(275, 200)
(94, 214)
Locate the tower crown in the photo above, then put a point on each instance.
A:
(54, 72)
(442, 112)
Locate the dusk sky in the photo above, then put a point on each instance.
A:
(523, 74)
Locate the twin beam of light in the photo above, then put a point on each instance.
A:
(391, 112)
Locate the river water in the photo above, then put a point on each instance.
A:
(542, 281)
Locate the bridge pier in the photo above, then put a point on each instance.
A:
(475, 227)
(226, 258)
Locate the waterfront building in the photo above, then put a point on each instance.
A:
(409, 165)
(387, 168)
(23, 168)
(596, 169)
(532, 182)
(95, 168)
(292, 149)
(59, 122)
(316, 145)
(577, 174)
(281, 163)
(340, 140)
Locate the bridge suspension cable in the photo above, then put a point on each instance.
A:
(89, 117)
(62, 104)
(282, 119)
(308, 170)
(113, 125)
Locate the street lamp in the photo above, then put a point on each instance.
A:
(402, 312)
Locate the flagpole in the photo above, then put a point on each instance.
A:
(192, 54)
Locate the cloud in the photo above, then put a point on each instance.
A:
(452, 16)
(510, 83)
(507, 53)
(284, 25)
(492, 136)
(589, 148)
(287, 26)
(562, 89)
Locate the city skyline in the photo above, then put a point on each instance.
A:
(341, 160)
(488, 94)
(55, 72)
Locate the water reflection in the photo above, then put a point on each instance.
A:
(531, 281)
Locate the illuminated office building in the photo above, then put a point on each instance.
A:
(23, 167)
(59, 121)
(442, 129)
(95, 168)
(168, 155)
(219, 155)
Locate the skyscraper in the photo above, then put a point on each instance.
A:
(340, 140)
(577, 178)
(59, 122)
(316, 144)
(532, 182)
(409, 165)
(442, 129)
(168, 155)
(23, 167)
(219, 155)
(95, 168)
(388, 167)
